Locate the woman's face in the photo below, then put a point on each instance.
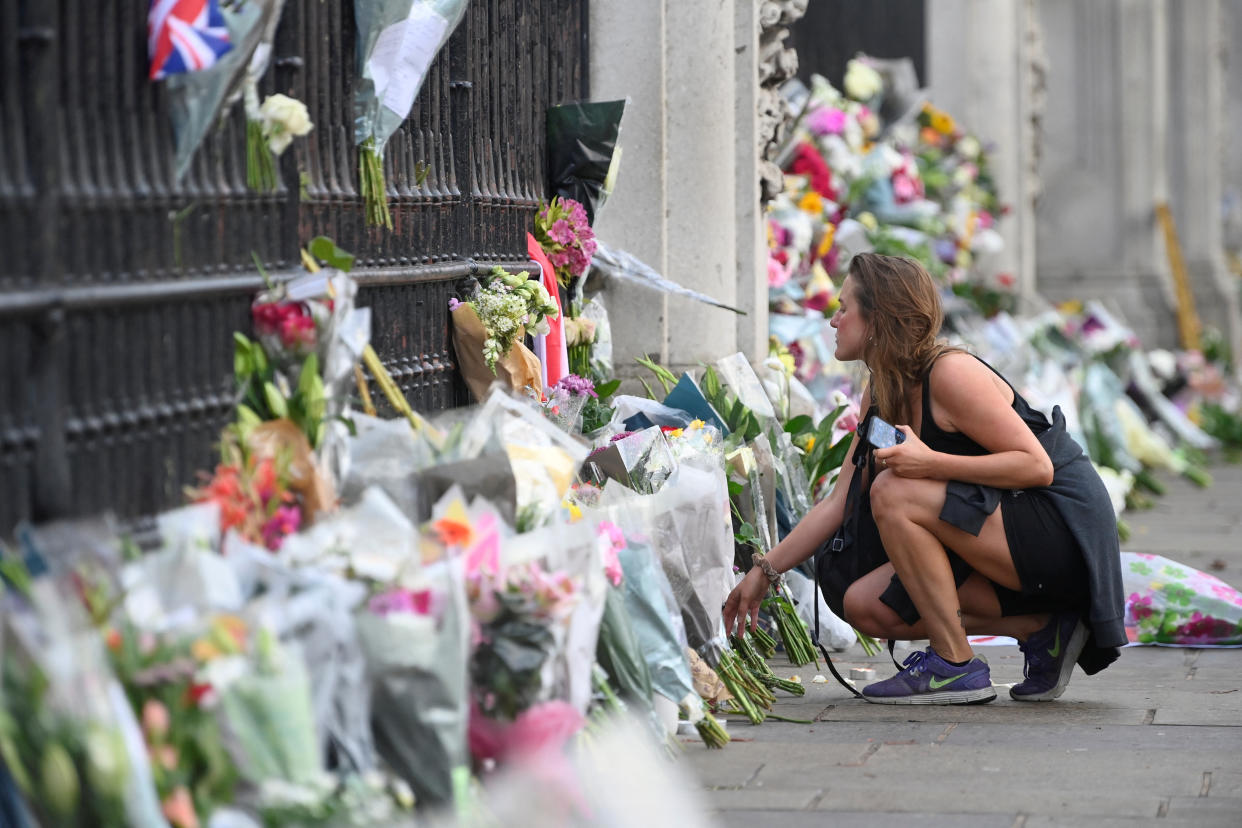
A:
(852, 328)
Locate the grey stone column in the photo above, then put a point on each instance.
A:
(687, 196)
(983, 68)
(1104, 161)
(1196, 122)
(701, 180)
(627, 61)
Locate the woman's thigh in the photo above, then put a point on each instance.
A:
(920, 501)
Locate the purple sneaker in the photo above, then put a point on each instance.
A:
(929, 679)
(1050, 656)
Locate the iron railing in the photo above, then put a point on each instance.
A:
(120, 286)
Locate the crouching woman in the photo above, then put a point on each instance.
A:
(985, 519)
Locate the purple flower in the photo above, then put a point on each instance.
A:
(453, 303)
(561, 232)
(578, 386)
(826, 121)
(285, 522)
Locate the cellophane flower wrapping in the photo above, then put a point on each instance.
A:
(656, 620)
(621, 655)
(268, 718)
(1170, 603)
(417, 642)
(186, 577)
(196, 100)
(67, 733)
(544, 459)
(310, 602)
(647, 458)
(397, 40)
(574, 550)
(386, 454)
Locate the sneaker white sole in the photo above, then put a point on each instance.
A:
(981, 696)
(1073, 648)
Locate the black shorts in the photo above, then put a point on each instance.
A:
(1048, 560)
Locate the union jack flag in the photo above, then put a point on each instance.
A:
(185, 36)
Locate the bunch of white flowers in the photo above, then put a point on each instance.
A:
(283, 119)
(862, 82)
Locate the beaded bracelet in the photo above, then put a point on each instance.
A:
(766, 567)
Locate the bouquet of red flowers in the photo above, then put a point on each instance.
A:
(564, 232)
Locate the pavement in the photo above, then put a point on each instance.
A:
(1155, 739)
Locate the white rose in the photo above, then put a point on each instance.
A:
(968, 147)
(284, 119)
(862, 83)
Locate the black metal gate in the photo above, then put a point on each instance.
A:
(119, 286)
(833, 31)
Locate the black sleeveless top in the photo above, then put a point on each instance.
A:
(955, 442)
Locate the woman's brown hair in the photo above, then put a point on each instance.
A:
(902, 307)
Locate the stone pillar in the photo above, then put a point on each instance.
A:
(982, 68)
(701, 181)
(1231, 144)
(627, 61)
(752, 247)
(1103, 164)
(686, 199)
(1197, 186)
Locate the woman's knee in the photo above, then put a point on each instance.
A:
(903, 498)
(890, 496)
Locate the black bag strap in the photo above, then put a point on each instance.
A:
(841, 540)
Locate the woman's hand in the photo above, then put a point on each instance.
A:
(744, 601)
(909, 458)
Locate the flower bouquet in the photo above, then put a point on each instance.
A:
(488, 328)
(564, 232)
(416, 641)
(67, 735)
(397, 41)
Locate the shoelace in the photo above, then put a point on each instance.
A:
(915, 663)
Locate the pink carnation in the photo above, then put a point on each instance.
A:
(561, 232)
(826, 121)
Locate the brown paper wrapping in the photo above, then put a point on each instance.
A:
(706, 683)
(282, 438)
(517, 369)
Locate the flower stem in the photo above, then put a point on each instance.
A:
(371, 185)
(260, 166)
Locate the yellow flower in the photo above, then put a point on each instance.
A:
(203, 650)
(942, 123)
(825, 244)
(810, 442)
(812, 202)
(575, 512)
(868, 220)
(695, 425)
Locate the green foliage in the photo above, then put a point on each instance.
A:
(264, 398)
(324, 249)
